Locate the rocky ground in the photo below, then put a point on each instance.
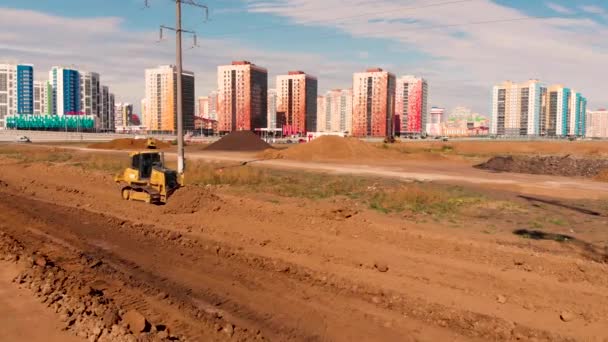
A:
(217, 264)
(548, 165)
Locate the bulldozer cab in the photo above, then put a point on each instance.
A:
(145, 161)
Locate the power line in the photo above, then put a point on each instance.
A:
(290, 26)
(179, 77)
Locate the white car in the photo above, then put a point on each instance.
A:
(23, 139)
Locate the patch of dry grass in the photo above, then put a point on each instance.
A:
(92, 161)
(379, 194)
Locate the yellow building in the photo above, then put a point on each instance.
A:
(160, 112)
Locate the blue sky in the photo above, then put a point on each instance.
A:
(441, 40)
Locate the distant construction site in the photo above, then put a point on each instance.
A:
(336, 239)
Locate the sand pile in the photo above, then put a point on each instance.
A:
(331, 148)
(239, 141)
(547, 165)
(128, 144)
(191, 199)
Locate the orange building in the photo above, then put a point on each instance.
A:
(242, 92)
(297, 102)
(373, 103)
(160, 114)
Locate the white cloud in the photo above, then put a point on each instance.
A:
(594, 9)
(468, 58)
(559, 8)
(120, 56)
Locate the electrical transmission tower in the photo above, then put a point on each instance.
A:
(178, 57)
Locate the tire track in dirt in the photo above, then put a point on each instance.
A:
(438, 282)
(467, 323)
(273, 325)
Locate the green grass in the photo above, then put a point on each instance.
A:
(382, 195)
(558, 222)
(385, 196)
(109, 163)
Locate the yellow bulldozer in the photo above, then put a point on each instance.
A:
(147, 179)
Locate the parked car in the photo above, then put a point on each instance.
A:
(23, 139)
(302, 140)
(444, 139)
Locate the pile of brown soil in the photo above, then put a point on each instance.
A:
(128, 144)
(239, 141)
(191, 199)
(547, 165)
(332, 148)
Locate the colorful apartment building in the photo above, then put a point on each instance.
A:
(373, 103)
(411, 105)
(296, 102)
(161, 99)
(242, 97)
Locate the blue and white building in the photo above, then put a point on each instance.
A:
(25, 89)
(517, 108)
(578, 109)
(533, 109)
(65, 85)
(16, 90)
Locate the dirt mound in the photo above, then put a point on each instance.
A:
(331, 148)
(239, 141)
(547, 165)
(192, 199)
(128, 144)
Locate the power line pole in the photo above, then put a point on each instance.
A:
(180, 114)
(179, 66)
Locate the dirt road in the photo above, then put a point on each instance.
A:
(240, 266)
(453, 172)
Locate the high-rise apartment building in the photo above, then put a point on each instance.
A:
(90, 95)
(558, 110)
(65, 85)
(272, 108)
(597, 124)
(373, 103)
(518, 109)
(411, 105)
(25, 89)
(16, 90)
(321, 113)
(161, 99)
(335, 111)
(104, 108)
(577, 115)
(43, 93)
(213, 105)
(433, 126)
(297, 102)
(202, 104)
(123, 115)
(531, 108)
(8, 93)
(242, 97)
(111, 126)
